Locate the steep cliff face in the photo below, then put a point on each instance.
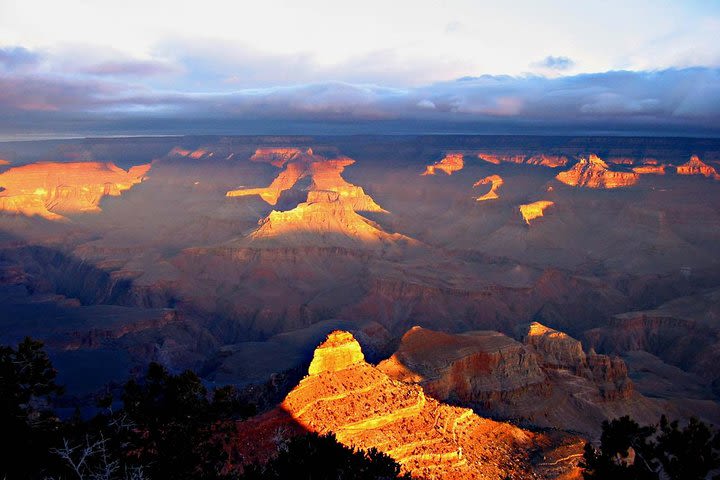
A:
(683, 332)
(555, 349)
(50, 189)
(695, 166)
(450, 163)
(558, 350)
(364, 408)
(495, 182)
(593, 172)
(324, 175)
(534, 210)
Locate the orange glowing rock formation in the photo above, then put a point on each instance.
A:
(495, 181)
(451, 162)
(4, 162)
(534, 210)
(324, 218)
(43, 189)
(365, 409)
(593, 172)
(695, 166)
(650, 169)
(325, 175)
(552, 161)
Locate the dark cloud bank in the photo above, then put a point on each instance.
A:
(114, 99)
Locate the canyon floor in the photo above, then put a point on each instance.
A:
(551, 282)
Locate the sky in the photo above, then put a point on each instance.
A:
(95, 67)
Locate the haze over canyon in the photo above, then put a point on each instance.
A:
(464, 293)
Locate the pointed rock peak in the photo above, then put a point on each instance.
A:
(339, 351)
(309, 151)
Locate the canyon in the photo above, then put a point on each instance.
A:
(580, 291)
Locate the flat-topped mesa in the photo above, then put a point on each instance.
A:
(593, 172)
(552, 161)
(324, 174)
(695, 166)
(339, 351)
(450, 163)
(477, 368)
(649, 169)
(50, 189)
(531, 211)
(495, 181)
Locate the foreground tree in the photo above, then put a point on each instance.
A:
(315, 457)
(29, 426)
(630, 452)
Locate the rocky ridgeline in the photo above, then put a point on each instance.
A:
(545, 378)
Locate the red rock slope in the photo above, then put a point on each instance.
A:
(364, 408)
